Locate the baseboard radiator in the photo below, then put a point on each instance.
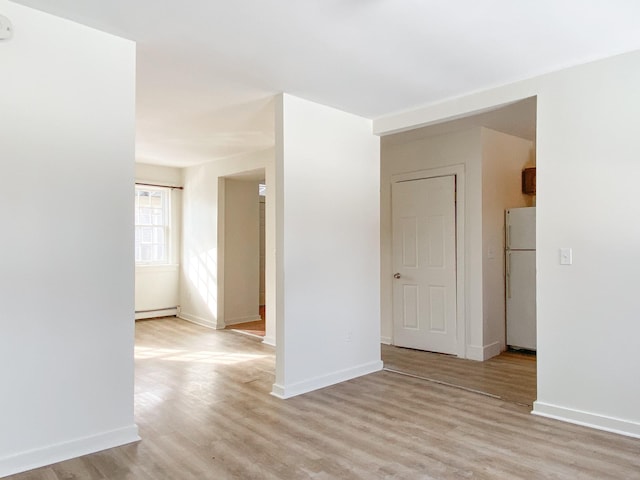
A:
(156, 312)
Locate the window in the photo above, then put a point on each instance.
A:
(152, 217)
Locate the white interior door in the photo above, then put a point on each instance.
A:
(424, 262)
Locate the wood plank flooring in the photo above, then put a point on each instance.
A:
(204, 412)
(256, 328)
(510, 376)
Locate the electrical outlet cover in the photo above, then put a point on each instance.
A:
(6, 29)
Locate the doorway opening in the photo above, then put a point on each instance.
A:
(157, 243)
(492, 150)
(243, 252)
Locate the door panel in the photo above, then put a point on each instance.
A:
(410, 310)
(437, 309)
(424, 296)
(409, 239)
(435, 236)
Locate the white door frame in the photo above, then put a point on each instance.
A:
(458, 172)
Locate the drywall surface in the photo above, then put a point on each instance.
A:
(242, 251)
(202, 268)
(459, 148)
(263, 264)
(156, 290)
(587, 142)
(158, 175)
(67, 97)
(157, 287)
(587, 312)
(272, 178)
(503, 158)
(328, 255)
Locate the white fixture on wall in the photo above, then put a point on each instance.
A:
(6, 29)
(566, 256)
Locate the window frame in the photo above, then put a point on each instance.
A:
(165, 195)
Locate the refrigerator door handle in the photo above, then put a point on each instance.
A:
(508, 236)
(508, 274)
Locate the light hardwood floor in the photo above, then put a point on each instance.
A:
(204, 412)
(252, 328)
(510, 376)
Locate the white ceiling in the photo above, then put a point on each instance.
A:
(208, 69)
(518, 119)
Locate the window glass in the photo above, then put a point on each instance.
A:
(152, 220)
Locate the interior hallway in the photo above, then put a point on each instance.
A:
(204, 411)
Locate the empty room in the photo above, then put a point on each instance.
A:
(283, 239)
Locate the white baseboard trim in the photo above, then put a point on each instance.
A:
(203, 322)
(482, 353)
(492, 350)
(298, 388)
(475, 352)
(167, 312)
(587, 419)
(41, 457)
(237, 320)
(269, 341)
(385, 340)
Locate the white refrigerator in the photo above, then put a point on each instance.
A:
(520, 277)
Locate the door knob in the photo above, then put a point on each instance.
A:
(396, 275)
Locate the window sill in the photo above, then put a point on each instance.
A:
(158, 267)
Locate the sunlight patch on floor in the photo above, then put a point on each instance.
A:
(203, 356)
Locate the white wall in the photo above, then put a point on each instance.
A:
(67, 96)
(156, 290)
(157, 287)
(158, 175)
(458, 148)
(241, 251)
(273, 233)
(202, 269)
(328, 251)
(503, 158)
(263, 266)
(587, 165)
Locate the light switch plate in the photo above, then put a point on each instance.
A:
(6, 29)
(566, 256)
